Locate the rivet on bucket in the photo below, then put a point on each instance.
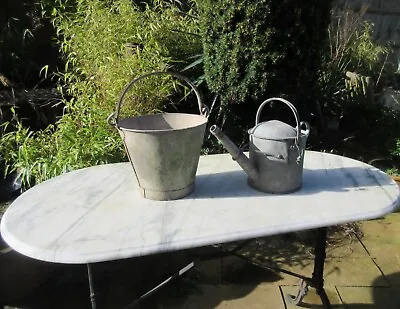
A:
(163, 149)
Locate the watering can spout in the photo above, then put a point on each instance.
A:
(235, 152)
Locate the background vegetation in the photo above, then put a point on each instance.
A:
(254, 50)
(258, 49)
(105, 44)
(25, 44)
(246, 51)
(350, 114)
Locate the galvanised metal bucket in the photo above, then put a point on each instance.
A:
(164, 149)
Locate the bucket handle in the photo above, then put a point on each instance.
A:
(112, 119)
(294, 110)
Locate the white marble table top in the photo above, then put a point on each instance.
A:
(95, 214)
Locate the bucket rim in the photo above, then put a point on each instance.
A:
(203, 123)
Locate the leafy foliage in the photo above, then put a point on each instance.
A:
(108, 45)
(351, 48)
(105, 44)
(74, 143)
(354, 101)
(350, 42)
(25, 43)
(256, 49)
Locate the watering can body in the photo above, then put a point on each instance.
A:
(276, 153)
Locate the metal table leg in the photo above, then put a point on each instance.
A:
(319, 260)
(317, 279)
(157, 287)
(185, 269)
(91, 287)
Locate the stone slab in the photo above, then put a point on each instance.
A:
(288, 250)
(238, 271)
(380, 235)
(345, 272)
(222, 297)
(389, 264)
(312, 300)
(298, 246)
(352, 272)
(342, 245)
(94, 214)
(369, 297)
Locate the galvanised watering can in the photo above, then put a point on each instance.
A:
(276, 152)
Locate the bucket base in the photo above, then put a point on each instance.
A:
(166, 195)
(267, 189)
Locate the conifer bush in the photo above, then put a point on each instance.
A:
(257, 49)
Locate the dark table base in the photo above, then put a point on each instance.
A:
(316, 280)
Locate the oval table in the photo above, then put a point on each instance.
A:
(95, 214)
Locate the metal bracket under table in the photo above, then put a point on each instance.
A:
(316, 281)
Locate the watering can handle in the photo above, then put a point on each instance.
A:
(296, 115)
(112, 119)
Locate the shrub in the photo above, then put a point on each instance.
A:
(25, 43)
(351, 48)
(356, 103)
(254, 50)
(351, 45)
(106, 44)
(396, 149)
(257, 49)
(73, 143)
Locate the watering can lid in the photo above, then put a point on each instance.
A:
(273, 130)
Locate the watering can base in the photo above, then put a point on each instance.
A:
(166, 195)
(266, 188)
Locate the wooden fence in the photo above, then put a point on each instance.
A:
(385, 17)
